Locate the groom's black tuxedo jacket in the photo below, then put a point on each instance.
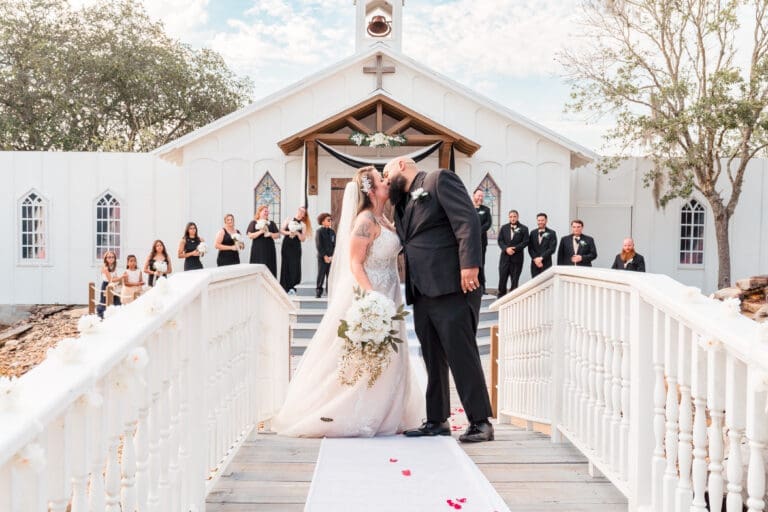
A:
(546, 249)
(586, 249)
(440, 233)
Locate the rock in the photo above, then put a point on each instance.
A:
(761, 315)
(752, 283)
(731, 292)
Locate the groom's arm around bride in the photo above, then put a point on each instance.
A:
(440, 232)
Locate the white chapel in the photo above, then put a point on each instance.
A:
(63, 210)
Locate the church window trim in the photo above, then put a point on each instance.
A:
(108, 225)
(492, 200)
(268, 192)
(692, 225)
(34, 246)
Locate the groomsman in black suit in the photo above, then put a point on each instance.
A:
(325, 241)
(542, 246)
(628, 259)
(577, 248)
(513, 238)
(484, 213)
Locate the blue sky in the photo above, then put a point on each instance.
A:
(504, 49)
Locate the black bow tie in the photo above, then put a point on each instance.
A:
(577, 238)
(514, 226)
(542, 231)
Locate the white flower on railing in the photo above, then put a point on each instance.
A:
(691, 294)
(92, 399)
(171, 325)
(732, 306)
(127, 377)
(137, 359)
(10, 389)
(67, 351)
(153, 305)
(710, 345)
(112, 311)
(88, 323)
(162, 286)
(30, 458)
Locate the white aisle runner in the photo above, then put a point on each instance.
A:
(395, 473)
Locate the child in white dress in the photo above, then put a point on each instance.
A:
(133, 281)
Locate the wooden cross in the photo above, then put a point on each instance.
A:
(379, 69)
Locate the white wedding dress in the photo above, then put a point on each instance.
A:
(317, 404)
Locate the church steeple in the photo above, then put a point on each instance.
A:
(379, 21)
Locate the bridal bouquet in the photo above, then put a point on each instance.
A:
(161, 266)
(202, 248)
(369, 337)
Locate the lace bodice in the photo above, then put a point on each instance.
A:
(381, 263)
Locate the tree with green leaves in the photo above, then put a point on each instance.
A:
(103, 78)
(687, 82)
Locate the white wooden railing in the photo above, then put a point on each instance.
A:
(663, 389)
(141, 413)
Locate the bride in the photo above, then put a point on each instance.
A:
(317, 404)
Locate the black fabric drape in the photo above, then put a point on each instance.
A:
(379, 163)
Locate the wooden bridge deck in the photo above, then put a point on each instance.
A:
(273, 473)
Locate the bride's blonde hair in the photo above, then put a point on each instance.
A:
(364, 179)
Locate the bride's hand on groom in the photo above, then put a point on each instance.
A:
(469, 279)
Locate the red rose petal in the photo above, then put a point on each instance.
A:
(460, 410)
(406, 472)
(449, 502)
(392, 460)
(461, 500)
(457, 506)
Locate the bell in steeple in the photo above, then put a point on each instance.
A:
(379, 21)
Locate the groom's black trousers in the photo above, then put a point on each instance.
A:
(447, 329)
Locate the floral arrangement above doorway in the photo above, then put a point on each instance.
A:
(377, 140)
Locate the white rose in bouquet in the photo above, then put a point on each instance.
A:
(238, 240)
(261, 225)
(161, 266)
(202, 248)
(294, 227)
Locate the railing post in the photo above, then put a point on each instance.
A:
(641, 438)
(495, 370)
(558, 358)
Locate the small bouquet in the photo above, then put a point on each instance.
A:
(262, 225)
(294, 227)
(238, 240)
(369, 337)
(161, 266)
(202, 248)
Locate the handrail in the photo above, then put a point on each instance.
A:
(173, 371)
(631, 368)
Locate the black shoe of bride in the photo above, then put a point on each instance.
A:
(477, 432)
(429, 428)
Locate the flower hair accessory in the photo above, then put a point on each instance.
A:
(367, 185)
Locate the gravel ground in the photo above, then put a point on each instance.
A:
(48, 325)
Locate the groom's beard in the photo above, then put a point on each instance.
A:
(397, 189)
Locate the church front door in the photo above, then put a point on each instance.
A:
(337, 195)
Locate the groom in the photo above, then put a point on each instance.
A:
(440, 232)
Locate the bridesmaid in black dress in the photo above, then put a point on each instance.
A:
(294, 231)
(153, 266)
(263, 233)
(229, 248)
(188, 248)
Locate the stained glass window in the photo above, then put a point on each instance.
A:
(268, 193)
(107, 225)
(692, 233)
(33, 228)
(492, 200)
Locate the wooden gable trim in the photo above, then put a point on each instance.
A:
(380, 105)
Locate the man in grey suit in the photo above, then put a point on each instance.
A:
(440, 232)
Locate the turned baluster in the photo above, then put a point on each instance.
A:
(685, 419)
(757, 436)
(735, 420)
(672, 414)
(700, 370)
(625, 385)
(659, 396)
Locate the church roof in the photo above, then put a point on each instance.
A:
(580, 155)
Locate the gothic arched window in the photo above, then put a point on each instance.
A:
(268, 193)
(692, 233)
(107, 225)
(33, 217)
(492, 200)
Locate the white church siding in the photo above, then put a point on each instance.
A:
(657, 232)
(71, 183)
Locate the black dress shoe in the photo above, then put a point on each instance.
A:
(429, 428)
(477, 432)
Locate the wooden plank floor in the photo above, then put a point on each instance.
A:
(272, 473)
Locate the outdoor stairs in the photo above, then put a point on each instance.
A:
(311, 311)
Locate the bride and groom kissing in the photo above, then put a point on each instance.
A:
(438, 231)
